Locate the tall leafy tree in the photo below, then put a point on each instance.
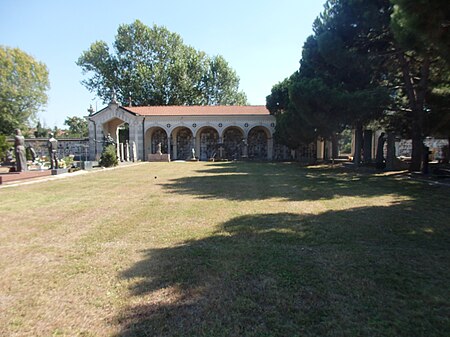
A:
(78, 127)
(337, 84)
(40, 130)
(423, 23)
(291, 129)
(366, 53)
(154, 67)
(421, 45)
(23, 86)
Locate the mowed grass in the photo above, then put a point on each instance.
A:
(225, 249)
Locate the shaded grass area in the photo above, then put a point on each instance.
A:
(226, 249)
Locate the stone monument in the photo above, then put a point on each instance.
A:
(20, 152)
(158, 150)
(379, 161)
(52, 145)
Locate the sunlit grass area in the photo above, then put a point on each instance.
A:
(225, 249)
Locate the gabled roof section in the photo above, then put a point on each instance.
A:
(112, 105)
(199, 110)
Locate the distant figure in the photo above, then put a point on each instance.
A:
(52, 145)
(126, 147)
(193, 153)
(9, 155)
(244, 146)
(20, 151)
(379, 162)
(32, 152)
(158, 151)
(109, 140)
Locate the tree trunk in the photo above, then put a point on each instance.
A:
(416, 100)
(358, 144)
(416, 153)
(334, 146)
(425, 165)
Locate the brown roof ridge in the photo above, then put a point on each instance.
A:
(198, 110)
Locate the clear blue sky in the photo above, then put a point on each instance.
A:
(261, 40)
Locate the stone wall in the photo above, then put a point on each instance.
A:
(79, 147)
(404, 147)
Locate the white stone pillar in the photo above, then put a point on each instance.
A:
(127, 151)
(196, 146)
(320, 153)
(120, 148)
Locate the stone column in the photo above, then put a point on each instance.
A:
(221, 147)
(127, 151)
(174, 139)
(320, 154)
(196, 145)
(367, 146)
(391, 154)
(245, 148)
(98, 142)
(120, 148)
(269, 148)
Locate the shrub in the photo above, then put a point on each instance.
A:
(109, 156)
(69, 160)
(4, 146)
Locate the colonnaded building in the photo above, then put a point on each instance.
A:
(220, 132)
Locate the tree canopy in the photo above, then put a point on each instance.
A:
(78, 127)
(371, 60)
(423, 24)
(152, 66)
(23, 86)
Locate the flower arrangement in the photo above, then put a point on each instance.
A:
(42, 163)
(62, 164)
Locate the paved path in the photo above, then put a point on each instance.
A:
(64, 175)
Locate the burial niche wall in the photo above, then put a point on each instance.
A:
(232, 143)
(184, 143)
(158, 135)
(257, 144)
(209, 138)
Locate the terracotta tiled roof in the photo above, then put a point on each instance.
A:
(197, 110)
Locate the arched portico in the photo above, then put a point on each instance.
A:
(207, 140)
(233, 142)
(154, 136)
(112, 127)
(260, 144)
(227, 130)
(183, 142)
(119, 130)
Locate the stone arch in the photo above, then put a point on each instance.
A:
(153, 136)
(258, 143)
(233, 144)
(119, 130)
(207, 139)
(112, 127)
(183, 142)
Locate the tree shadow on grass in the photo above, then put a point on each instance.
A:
(259, 181)
(360, 272)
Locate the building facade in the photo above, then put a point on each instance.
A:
(227, 132)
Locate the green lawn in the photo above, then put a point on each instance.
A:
(225, 249)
